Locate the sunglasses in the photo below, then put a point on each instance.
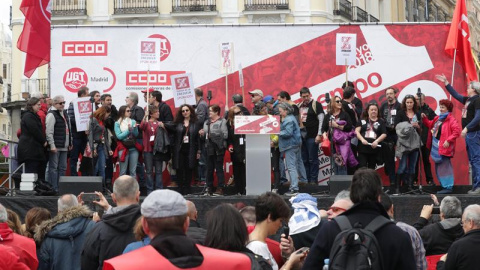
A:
(185, 111)
(61, 103)
(338, 101)
(336, 209)
(237, 113)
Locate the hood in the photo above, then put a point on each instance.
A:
(452, 226)
(125, 219)
(6, 234)
(404, 129)
(67, 224)
(44, 107)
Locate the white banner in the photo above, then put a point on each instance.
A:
(149, 54)
(183, 90)
(346, 48)
(82, 108)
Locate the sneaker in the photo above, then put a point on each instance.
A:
(275, 191)
(291, 193)
(218, 192)
(208, 192)
(474, 192)
(444, 191)
(173, 184)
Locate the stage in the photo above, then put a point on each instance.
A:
(407, 207)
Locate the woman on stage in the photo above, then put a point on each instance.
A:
(236, 147)
(126, 131)
(444, 132)
(98, 140)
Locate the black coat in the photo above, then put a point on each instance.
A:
(32, 138)
(394, 242)
(238, 154)
(463, 254)
(176, 130)
(438, 237)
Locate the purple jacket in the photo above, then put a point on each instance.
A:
(341, 139)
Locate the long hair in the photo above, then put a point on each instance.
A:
(121, 113)
(231, 114)
(179, 116)
(31, 102)
(226, 229)
(102, 112)
(333, 102)
(404, 103)
(33, 218)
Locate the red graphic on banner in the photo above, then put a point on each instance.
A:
(154, 78)
(75, 78)
(165, 47)
(84, 48)
(266, 124)
(84, 107)
(148, 47)
(182, 83)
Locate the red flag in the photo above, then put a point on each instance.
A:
(35, 37)
(459, 38)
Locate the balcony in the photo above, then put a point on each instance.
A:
(266, 5)
(135, 7)
(36, 85)
(194, 6)
(343, 8)
(66, 8)
(359, 15)
(373, 19)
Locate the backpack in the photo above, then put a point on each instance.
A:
(356, 247)
(258, 262)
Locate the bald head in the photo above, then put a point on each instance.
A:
(191, 210)
(125, 190)
(66, 201)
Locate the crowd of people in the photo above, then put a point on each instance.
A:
(193, 141)
(163, 232)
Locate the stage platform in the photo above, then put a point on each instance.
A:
(407, 207)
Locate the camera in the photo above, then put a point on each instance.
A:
(436, 210)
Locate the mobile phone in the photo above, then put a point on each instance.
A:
(88, 199)
(286, 231)
(436, 210)
(302, 250)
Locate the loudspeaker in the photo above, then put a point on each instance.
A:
(338, 183)
(77, 184)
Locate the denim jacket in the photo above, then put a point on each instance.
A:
(289, 136)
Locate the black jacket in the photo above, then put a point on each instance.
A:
(463, 254)
(196, 233)
(238, 154)
(109, 237)
(393, 241)
(178, 249)
(32, 138)
(438, 237)
(176, 130)
(430, 115)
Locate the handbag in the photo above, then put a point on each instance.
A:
(325, 146)
(129, 142)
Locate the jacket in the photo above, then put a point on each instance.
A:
(391, 239)
(62, 238)
(289, 136)
(425, 109)
(237, 142)
(408, 139)
(176, 129)
(124, 135)
(201, 110)
(97, 132)
(450, 132)
(137, 114)
(196, 233)
(109, 237)
(216, 135)
(165, 112)
(463, 254)
(23, 246)
(438, 237)
(162, 143)
(58, 130)
(32, 138)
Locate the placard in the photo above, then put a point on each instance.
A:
(183, 90)
(82, 107)
(346, 49)
(257, 124)
(226, 58)
(149, 54)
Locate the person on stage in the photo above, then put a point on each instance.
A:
(371, 131)
(444, 132)
(126, 131)
(236, 147)
(149, 127)
(99, 141)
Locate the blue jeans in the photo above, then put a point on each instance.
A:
(57, 165)
(100, 164)
(131, 160)
(151, 162)
(310, 159)
(473, 149)
(407, 163)
(78, 147)
(293, 159)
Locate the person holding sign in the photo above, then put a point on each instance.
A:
(149, 127)
(371, 131)
(126, 130)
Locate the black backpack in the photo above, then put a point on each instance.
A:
(356, 247)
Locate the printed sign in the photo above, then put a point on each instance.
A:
(149, 54)
(240, 75)
(183, 90)
(82, 107)
(257, 124)
(346, 49)
(226, 59)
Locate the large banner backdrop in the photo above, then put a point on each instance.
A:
(273, 58)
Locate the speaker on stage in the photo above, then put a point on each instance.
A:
(77, 184)
(338, 183)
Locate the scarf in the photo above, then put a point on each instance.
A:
(305, 213)
(124, 124)
(440, 121)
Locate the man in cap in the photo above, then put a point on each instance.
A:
(257, 96)
(165, 220)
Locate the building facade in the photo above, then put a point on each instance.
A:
(473, 7)
(5, 79)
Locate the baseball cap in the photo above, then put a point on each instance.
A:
(268, 99)
(149, 90)
(164, 203)
(256, 92)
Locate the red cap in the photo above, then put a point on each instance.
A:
(149, 90)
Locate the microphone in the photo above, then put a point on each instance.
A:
(327, 98)
(209, 95)
(419, 92)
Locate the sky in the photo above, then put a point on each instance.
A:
(5, 13)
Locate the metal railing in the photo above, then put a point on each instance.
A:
(193, 5)
(260, 5)
(343, 8)
(359, 15)
(69, 8)
(13, 167)
(36, 85)
(373, 19)
(135, 6)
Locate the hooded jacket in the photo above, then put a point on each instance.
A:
(408, 139)
(438, 237)
(62, 238)
(23, 246)
(109, 237)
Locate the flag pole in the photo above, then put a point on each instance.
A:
(453, 68)
(226, 88)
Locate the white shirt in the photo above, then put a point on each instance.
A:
(261, 248)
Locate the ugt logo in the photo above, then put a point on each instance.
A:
(148, 47)
(75, 78)
(346, 45)
(165, 46)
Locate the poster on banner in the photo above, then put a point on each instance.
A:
(240, 76)
(149, 54)
(257, 124)
(226, 58)
(346, 48)
(183, 90)
(82, 107)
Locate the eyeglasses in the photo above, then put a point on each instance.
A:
(127, 111)
(338, 101)
(409, 96)
(237, 113)
(336, 209)
(61, 103)
(185, 111)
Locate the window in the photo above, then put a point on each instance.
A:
(5, 69)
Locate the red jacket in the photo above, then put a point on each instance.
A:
(450, 132)
(23, 246)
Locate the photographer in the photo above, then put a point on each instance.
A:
(438, 237)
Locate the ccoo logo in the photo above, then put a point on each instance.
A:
(75, 78)
(165, 47)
